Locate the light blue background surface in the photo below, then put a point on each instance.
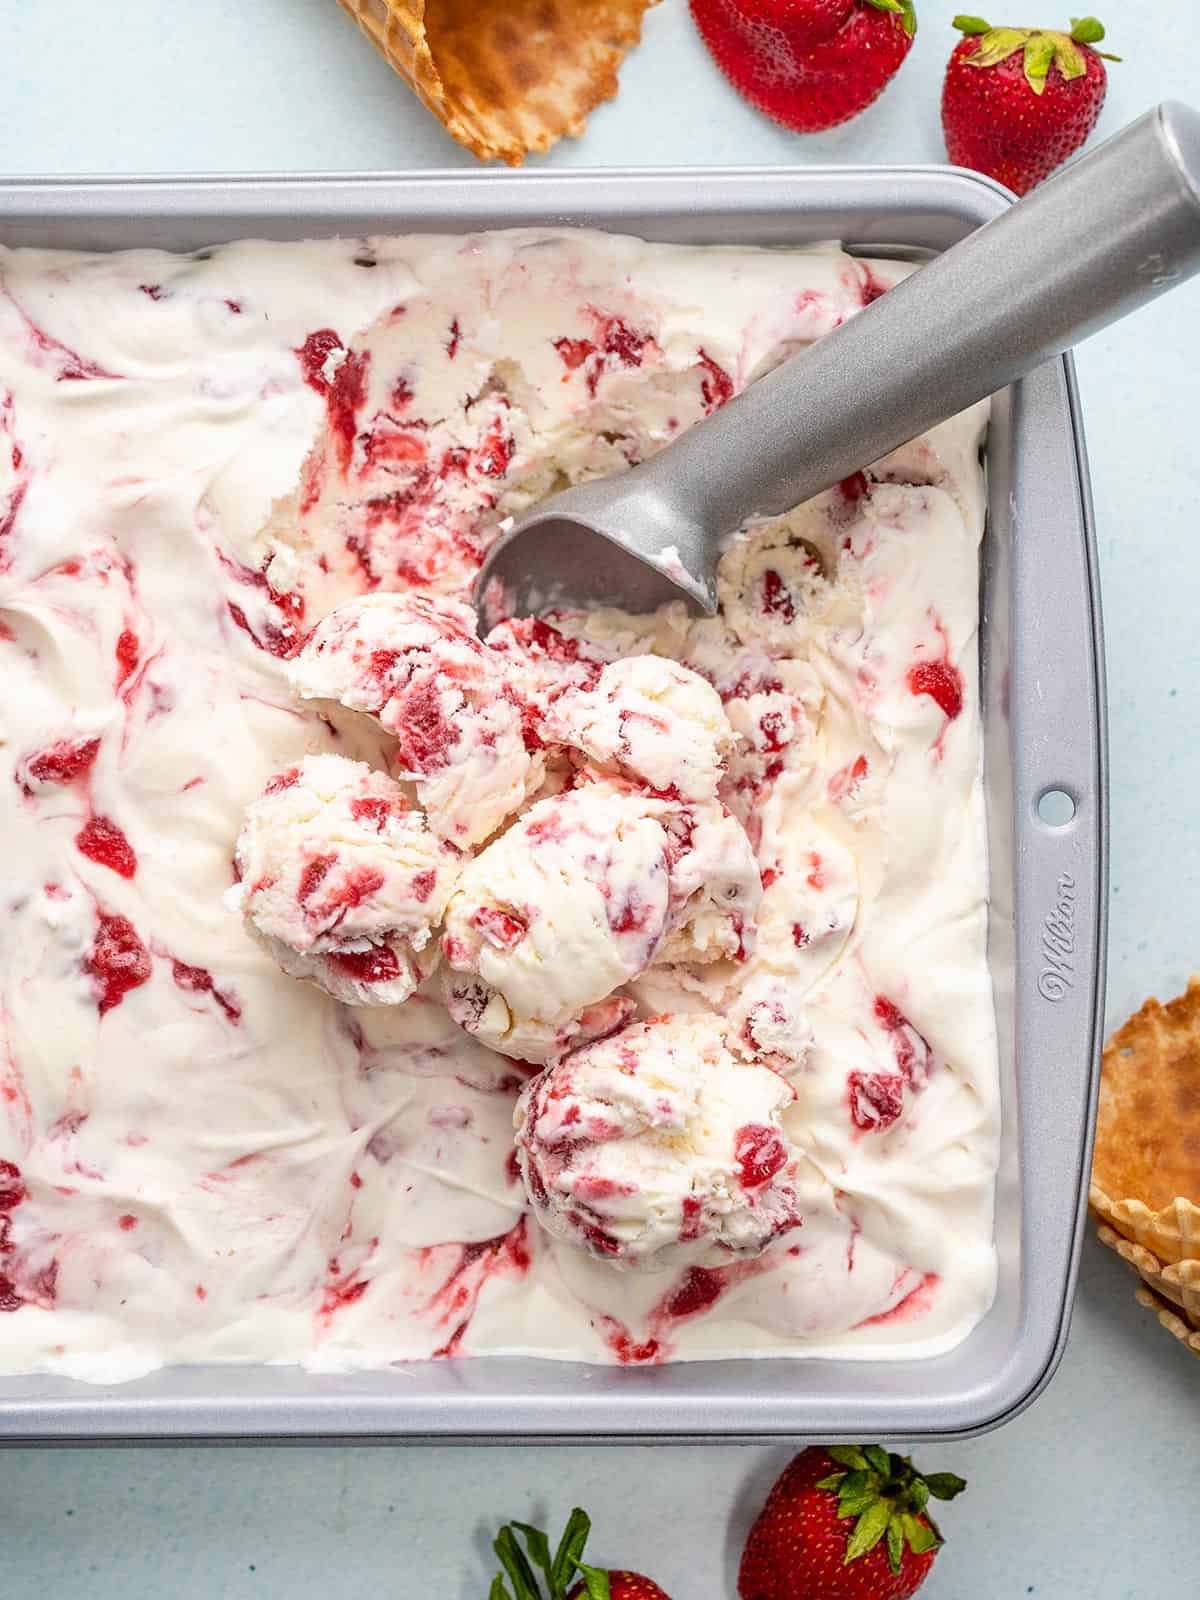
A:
(1094, 1492)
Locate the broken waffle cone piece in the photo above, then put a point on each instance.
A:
(505, 77)
(1145, 1187)
(1176, 1285)
(1170, 1319)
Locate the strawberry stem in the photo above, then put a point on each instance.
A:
(887, 1498)
(1041, 48)
(570, 1549)
(560, 1570)
(517, 1568)
(538, 1546)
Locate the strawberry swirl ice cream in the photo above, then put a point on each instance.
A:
(416, 666)
(651, 720)
(701, 900)
(342, 881)
(660, 1147)
(637, 861)
(579, 897)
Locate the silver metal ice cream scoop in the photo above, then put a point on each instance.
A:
(1111, 232)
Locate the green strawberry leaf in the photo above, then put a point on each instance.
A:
(895, 1544)
(997, 45)
(1039, 53)
(854, 1484)
(878, 1459)
(920, 1537)
(570, 1548)
(971, 25)
(831, 1482)
(538, 1546)
(512, 1559)
(944, 1485)
(918, 1494)
(1086, 30)
(856, 1507)
(499, 1590)
(868, 1531)
(1070, 58)
(847, 1455)
(595, 1581)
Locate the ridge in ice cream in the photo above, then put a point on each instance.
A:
(700, 903)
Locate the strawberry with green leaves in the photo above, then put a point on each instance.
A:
(1018, 101)
(531, 1571)
(809, 64)
(845, 1522)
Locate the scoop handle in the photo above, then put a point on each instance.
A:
(1109, 233)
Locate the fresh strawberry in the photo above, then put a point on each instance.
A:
(621, 1586)
(1018, 101)
(845, 1523)
(810, 64)
(565, 1574)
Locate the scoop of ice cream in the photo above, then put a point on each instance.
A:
(660, 1146)
(567, 905)
(577, 898)
(652, 721)
(454, 707)
(342, 882)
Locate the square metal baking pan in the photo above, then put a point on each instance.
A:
(1043, 702)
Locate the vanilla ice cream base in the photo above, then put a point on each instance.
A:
(224, 1165)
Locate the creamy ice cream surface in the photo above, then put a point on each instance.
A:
(700, 902)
